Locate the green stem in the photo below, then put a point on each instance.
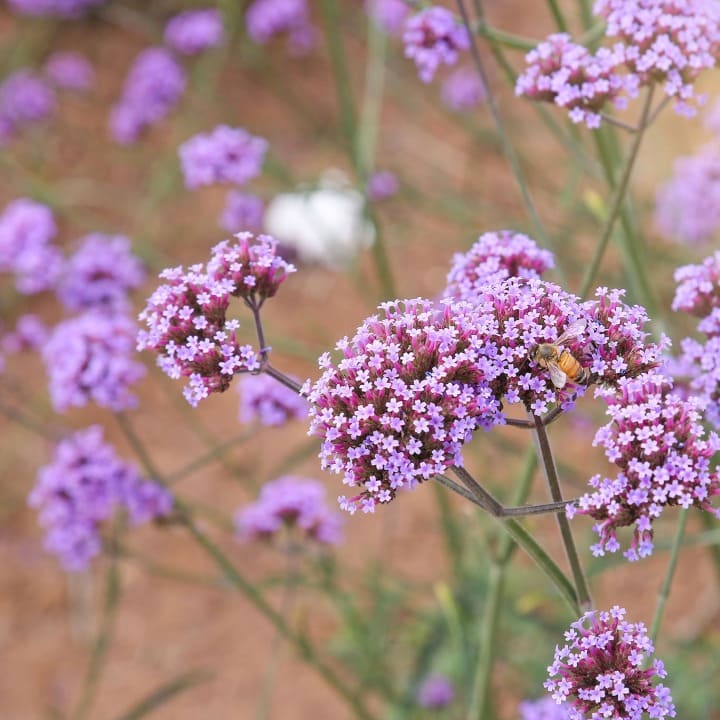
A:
(451, 531)
(618, 199)
(667, 582)
(480, 696)
(103, 639)
(557, 15)
(586, 15)
(709, 524)
(514, 42)
(548, 463)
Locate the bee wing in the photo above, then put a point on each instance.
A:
(558, 377)
(572, 331)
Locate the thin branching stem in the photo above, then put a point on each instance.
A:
(282, 378)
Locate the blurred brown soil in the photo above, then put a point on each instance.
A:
(165, 626)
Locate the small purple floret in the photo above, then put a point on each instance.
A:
(435, 692)
(193, 31)
(70, 71)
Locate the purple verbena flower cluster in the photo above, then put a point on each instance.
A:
(463, 90)
(698, 290)
(81, 488)
(656, 439)
(88, 358)
(100, 274)
(69, 71)
(30, 334)
(264, 399)
(435, 692)
(193, 31)
(495, 257)
(382, 185)
(27, 229)
(390, 15)
(434, 37)
(154, 85)
(290, 502)
(186, 318)
(687, 206)
(243, 211)
(69, 9)
(25, 98)
(599, 672)
(543, 709)
(225, 155)
(666, 41)
(267, 18)
(569, 75)
(408, 393)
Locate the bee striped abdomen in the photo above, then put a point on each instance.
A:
(572, 368)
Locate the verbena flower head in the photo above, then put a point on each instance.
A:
(264, 399)
(495, 256)
(154, 85)
(667, 42)
(408, 393)
(81, 488)
(687, 206)
(433, 37)
(700, 362)
(30, 333)
(543, 709)
(25, 98)
(435, 692)
(100, 274)
(599, 672)
(70, 71)
(390, 15)
(569, 75)
(290, 502)
(27, 229)
(243, 211)
(193, 31)
(657, 441)
(463, 89)
(54, 8)
(89, 358)
(225, 155)
(698, 290)
(267, 18)
(382, 185)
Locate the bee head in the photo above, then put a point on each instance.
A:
(544, 352)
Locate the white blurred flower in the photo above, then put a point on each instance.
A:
(324, 225)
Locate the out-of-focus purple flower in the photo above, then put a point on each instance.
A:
(243, 211)
(100, 274)
(264, 399)
(435, 692)
(407, 394)
(495, 257)
(698, 290)
(687, 206)
(463, 90)
(657, 441)
(433, 37)
(225, 155)
(70, 71)
(25, 98)
(267, 18)
(193, 31)
(55, 8)
(382, 185)
(543, 709)
(290, 502)
(154, 85)
(27, 229)
(30, 333)
(599, 672)
(186, 317)
(81, 488)
(711, 118)
(667, 42)
(569, 75)
(700, 362)
(390, 15)
(89, 359)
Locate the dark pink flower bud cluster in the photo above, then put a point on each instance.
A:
(569, 75)
(495, 257)
(290, 502)
(657, 441)
(599, 672)
(434, 37)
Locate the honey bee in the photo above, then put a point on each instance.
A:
(559, 361)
